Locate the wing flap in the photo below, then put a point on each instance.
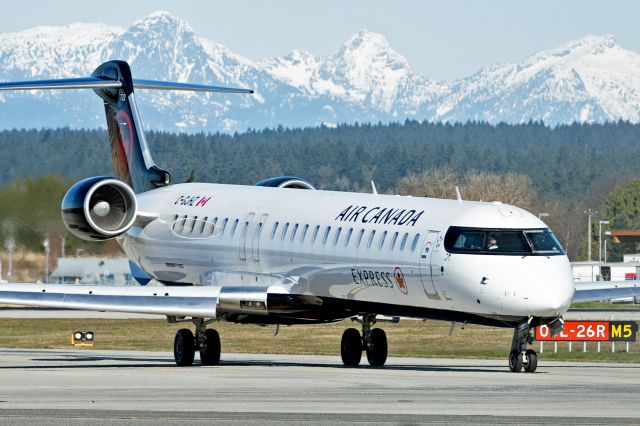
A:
(189, 302)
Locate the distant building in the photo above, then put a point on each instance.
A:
(92, 270)
(611, 271)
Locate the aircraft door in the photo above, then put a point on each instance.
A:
(243, 235)
(431, 264)
(257, 232)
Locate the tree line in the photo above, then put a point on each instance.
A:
(561, 171)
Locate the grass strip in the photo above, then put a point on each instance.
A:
(408, 338)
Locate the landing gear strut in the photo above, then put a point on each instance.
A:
(520, 356)
(206, 341)
(373, 341)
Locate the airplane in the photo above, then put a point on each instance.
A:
(283, 252)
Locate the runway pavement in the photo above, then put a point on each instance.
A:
(144, 388)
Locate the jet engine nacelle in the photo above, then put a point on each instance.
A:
(286, 182)
(99, 208)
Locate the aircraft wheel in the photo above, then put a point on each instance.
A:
(377, 349)
(351, 347)
(184, 347)
(532, 361)
(210, 353)
(515, 361)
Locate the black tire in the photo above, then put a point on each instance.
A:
(184, 347)
(515, 361)
(377, 349)
(210, 353)
(351, 347)
(532, 361)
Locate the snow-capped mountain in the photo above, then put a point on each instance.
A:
(585, 80)
(591, 79)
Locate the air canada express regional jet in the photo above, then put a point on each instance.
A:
(282, 252)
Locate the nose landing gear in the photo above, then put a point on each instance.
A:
(520, 356)
(206, 341)
(373, 341)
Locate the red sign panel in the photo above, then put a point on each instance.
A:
(579, 331)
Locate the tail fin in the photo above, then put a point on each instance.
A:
(112, 81)
(132, 160)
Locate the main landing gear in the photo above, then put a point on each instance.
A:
(373, 341)
(206, 341)
(520, 357)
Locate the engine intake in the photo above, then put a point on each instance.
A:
(286, 182)
(99, 208)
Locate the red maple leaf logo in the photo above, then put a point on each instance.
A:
(400, 281)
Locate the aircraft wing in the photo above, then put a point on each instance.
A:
(605, 290)
(198, 301)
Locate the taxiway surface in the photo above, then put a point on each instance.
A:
(124, 387)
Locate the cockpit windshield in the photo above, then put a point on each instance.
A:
(524, 242)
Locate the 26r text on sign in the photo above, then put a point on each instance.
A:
(591, 331)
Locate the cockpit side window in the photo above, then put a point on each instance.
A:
(543, 241)
(522, 242)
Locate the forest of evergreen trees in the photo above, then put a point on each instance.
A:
(569, 168)
(563, 161)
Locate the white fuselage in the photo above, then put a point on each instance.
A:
(378, 249)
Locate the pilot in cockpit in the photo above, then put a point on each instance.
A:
(492, 243)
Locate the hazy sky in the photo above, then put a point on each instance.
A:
(440, 39)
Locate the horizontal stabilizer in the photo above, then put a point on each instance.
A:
(65, 83)
(167, 85)
(101, 83)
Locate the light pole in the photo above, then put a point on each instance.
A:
(608, 234)
(590, 213)
(45, 244)
(541, 215)
(602, 222)
(10, 245)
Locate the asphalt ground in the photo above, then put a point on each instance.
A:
(123, 387)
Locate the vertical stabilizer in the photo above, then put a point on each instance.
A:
(112, 81)
(130, 153)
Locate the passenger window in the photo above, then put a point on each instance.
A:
(233, 228)
(304, 233)
(258, 232)
(213, 225)
(315, 234)
(382, 238)
(371, 238)
(245, 225)
(404, 241)
(284, 231)
(326, 235)
(273, 231)
(360, 234)
(204, 222)
(192, 224)
(415, 242)
(224, 225)
(393, 240)
(335, 240)
(293, 233)
(346, 240)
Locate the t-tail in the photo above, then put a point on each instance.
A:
(113, 82)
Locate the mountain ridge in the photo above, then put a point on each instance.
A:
(591, 79)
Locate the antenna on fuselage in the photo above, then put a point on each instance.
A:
(458, 196)
(373, 188)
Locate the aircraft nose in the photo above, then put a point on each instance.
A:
(552, 296)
